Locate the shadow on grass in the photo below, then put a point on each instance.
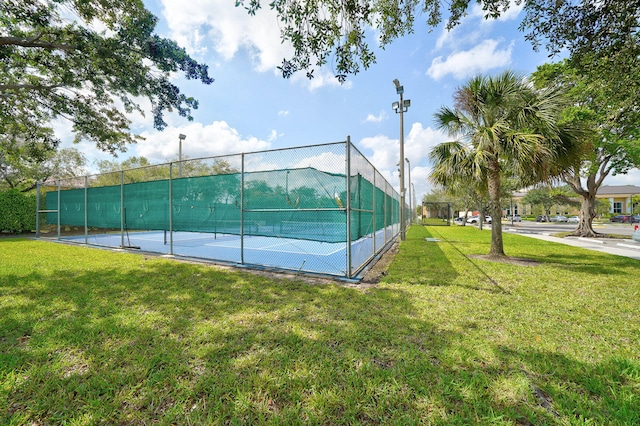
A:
(173, 341)
(153, 341)
(433, 266)
(420, 261)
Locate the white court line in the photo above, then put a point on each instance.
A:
(160, 239)
(267, 248)
(154, 240)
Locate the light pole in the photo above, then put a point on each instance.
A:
(181, 137)
(409, 186)
(400, 108)
(413, 192)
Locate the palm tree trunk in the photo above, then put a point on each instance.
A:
(493, 183)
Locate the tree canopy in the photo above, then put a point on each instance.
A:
(613, 141)
(601, 33)
(320, 29)
(140, 169)
(547, 196)
(21, 167)
(90, 62)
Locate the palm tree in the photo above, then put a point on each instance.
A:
(501, 124)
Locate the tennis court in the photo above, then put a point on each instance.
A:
(271, 252)
(319, 209)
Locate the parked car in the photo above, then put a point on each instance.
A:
(474, 219)
(621, 218)
(625, 218)
(558, 218)
(515, 218)
(573, 219)
(542, 218)
(458, 220)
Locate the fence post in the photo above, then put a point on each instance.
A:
(348, 203)
(242, 210)
(59, 228)
(86, 210)
(171, 209)
(38, 209)
(122, 218)
(375, 207)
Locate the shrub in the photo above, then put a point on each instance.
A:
(17, 211)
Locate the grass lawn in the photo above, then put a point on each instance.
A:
(434, 221)
(91, 336)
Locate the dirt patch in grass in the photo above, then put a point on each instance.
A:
(380, 268)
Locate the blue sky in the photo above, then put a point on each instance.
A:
(251, 107)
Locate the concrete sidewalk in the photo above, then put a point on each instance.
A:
(626, 248)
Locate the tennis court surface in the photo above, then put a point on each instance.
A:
(271, 252)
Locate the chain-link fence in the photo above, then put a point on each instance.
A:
(319, 209)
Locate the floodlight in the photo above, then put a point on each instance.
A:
(399, 88)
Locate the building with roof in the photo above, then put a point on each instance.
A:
(620, 197)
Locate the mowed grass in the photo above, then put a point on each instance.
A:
(90, 336)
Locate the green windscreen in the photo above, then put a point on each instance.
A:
(295, 203)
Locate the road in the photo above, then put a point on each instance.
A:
(555, 227)
(544, 231)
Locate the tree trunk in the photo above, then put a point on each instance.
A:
(587, 213)
(493, 183)
(588, 195)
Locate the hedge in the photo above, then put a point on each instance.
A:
(17, 211)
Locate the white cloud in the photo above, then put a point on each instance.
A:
(376, 118)
(417, 144)
(420, 183)
(385, 151)
(420, 140)
(63, 130)
(273, 136)
(283, 113)
(631, 178)
(217, 138)
(459, 36)
(328, 162)
(218, 24)
(321, 78)
(479, 59)
(509, 15)
(474, 27)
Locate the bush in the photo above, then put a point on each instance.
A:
(17, 211)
